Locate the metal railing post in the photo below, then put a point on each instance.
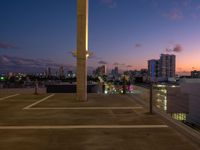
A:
(151, 99)
(36, 87)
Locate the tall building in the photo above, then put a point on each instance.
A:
(167, 64)
(104, 69)
(153, 69)
(115, 72)
(162, 69)
(61, 71)
(48, 72)
(100, 71)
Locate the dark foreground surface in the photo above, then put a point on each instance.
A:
(105, 122)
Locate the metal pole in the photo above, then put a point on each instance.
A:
(151, 99)
(124, 85)
(36, 87)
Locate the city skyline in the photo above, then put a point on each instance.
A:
(127, 33)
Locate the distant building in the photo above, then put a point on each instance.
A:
(100, 71)
(70, 74)
(153, 69)
(48, 72)
(144, 72)
(163, 69)
(195, 74)
(115, 73)
(61, 71)
(10, 74)
(167, 66)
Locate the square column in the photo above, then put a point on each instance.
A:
(82, 48)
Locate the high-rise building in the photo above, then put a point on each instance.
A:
(61, 71)
(115, 74)
(116, 70)
(153, 69)
(48, 72)
(167, 66)
(100, 71)
(162, 69)
(104, 69)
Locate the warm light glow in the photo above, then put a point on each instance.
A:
(105, 92)
(87, 9)
(159, 85)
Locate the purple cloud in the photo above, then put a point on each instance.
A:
(177, 49)
(7, 46)
(119, 64)
(138, 45)
(129, 66)
(168, 50)
(24, 62)
(95, 57)
(174, 14)
(110, 3)
(102, 62)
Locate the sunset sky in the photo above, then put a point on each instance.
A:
(126, 32)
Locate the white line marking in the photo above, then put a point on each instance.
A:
(83, 127)
(3, 98)
(83, 108)
(29, 106)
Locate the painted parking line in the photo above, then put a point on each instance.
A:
(29, 106)
(82, 127)
(84, 108)
(7, 97)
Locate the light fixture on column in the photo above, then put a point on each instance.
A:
(88, 54)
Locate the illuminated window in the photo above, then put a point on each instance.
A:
(179, 116)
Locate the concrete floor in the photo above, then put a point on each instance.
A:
(113, 125)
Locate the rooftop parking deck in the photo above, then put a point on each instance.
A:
(58, 121)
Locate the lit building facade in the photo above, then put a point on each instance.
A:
(162, 69)
(167, 66)
(153, 66)
(181, 102)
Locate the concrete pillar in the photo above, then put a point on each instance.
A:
(82, 48)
